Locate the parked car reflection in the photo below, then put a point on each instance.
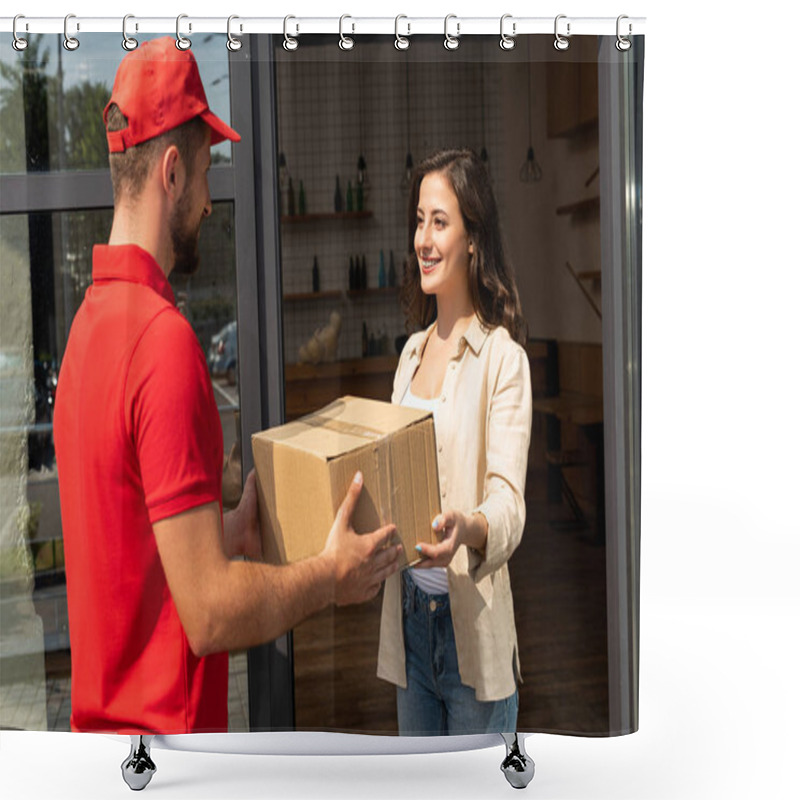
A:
(41, 452)
(223, 353)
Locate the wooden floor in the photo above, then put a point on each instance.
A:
(558, 580)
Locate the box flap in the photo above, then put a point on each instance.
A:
(344, 425)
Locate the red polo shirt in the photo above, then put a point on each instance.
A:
(138, 439)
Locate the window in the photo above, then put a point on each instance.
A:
(55, 204)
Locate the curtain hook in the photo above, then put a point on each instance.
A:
(289, 43)
(128, 42)
(19, 43)
(623, 42)
(181, 42)
(70, 42)
(233, 44)
(451, 42)
(507, 42)
(346, 42)
(561, 42)
(401, 42)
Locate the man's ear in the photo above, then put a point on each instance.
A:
(173, 172)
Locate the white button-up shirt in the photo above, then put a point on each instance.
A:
(483, 429)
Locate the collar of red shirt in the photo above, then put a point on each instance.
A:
(129, 262)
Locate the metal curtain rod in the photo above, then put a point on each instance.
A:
(452, 26)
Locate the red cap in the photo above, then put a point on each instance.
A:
(158, 88)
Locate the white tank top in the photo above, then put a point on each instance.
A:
(433, 580)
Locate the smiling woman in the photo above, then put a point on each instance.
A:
(452, 655)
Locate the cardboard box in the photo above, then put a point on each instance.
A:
(305, 467)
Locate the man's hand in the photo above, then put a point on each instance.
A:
(227, 604)
(361, 562)
(242, 532)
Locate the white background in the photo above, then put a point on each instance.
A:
(720, 608)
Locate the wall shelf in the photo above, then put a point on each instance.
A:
(587, 206)
(368, 365)
(339, 294)
(376, 291)
(334, 215)
(589, 275)
(311, 386)
(579, 277)
(296, 297)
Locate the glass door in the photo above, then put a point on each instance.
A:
(337, 154)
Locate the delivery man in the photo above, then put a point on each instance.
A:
(155, 596)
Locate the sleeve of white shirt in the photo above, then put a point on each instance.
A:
(508, 437)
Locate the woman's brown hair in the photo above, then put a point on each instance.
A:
(492, 287)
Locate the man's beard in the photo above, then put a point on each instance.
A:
(184, 239)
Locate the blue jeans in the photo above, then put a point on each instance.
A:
(436, 702)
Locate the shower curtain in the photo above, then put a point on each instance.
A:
(309, 232)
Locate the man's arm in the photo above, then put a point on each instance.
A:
(227, 605)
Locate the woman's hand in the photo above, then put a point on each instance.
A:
(453, 529)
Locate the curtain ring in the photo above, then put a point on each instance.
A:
(451, 42)
(507, 42)
(401, 42)
(70, 42)
(561, 42)
(128, 42)
(623, 42)
(181, 42)
(233, 44)
(19, 43)
(289, 43)
(346, 42)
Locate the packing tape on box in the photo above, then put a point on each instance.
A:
(383, 461)
(350, 428)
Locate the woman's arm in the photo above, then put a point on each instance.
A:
(507, 441)
(493, 530)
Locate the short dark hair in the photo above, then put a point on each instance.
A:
(130, 168)
(493, 290)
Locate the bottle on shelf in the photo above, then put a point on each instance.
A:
(351, 276)
(364, 340)
(314, 274)
(392, 273)
(381, 271)
(301, 203)
(349, 196)
(338, 202)
(290, 210)
(364, 281)
(360, 196)
(371, 347)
